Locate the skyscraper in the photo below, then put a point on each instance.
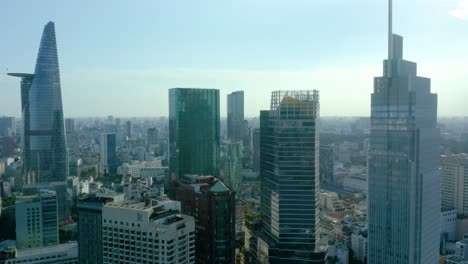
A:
(128, 129)
(108, 154)
(7, 126)
(69, 125)
(233, 165)
(194, 131)
(404, 183)
(289, 171)
(41, 99)
(235, 116)
(212, 204)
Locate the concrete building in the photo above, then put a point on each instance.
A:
(57, 254)
(355, 184)
(90, 225)
(147, 232)
(448, 225)
(454, 176)
(359, 246)
(37, 220)
(212, 204)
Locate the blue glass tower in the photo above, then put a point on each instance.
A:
(44, 134)
(404, 182)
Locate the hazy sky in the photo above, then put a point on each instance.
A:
(120, 57)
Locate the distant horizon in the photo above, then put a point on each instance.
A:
(124, 61)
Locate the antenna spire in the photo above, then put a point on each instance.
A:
(390, 30)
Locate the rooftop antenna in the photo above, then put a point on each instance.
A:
(390, 30)
(390, 39)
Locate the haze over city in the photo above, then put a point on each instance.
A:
(122, 58)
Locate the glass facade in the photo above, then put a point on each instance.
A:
(108, 153)
(404, 184)
(289, 170)
(235, 116)
(233, 166)
(194, 131)
(41, 100)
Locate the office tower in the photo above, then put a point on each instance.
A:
(69, 125)
(7, 147)
(153, 232)
(404, 182)
(326, 164)
(41, 99)
(256, 150)
(233, 166)
(212, 204)
(193, 131)
(289, 172)
(152, 137)
(60, 189)
(90, 225)
(7, 126)
(454, 177)
(235, 119)
(108, 154)
(37, 220)
(128, 129)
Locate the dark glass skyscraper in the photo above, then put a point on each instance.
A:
(194, 131)
(235, 116)
(44, 134)
(108, 153)
(404, 161)
(289, 170)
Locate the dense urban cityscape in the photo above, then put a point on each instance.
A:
(284, 186)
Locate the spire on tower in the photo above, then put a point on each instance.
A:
(390, 30)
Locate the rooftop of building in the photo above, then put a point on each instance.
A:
(35, 197)
(203, 184)
(47, 250)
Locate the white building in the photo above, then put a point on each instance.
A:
(152, 232)
(454, 177)
(449, 224)
(57, 254)
(37, 220)
(359, 247)
(355, 184)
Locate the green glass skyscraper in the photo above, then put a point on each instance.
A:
(193, 131)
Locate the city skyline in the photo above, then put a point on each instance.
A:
(258, 54)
